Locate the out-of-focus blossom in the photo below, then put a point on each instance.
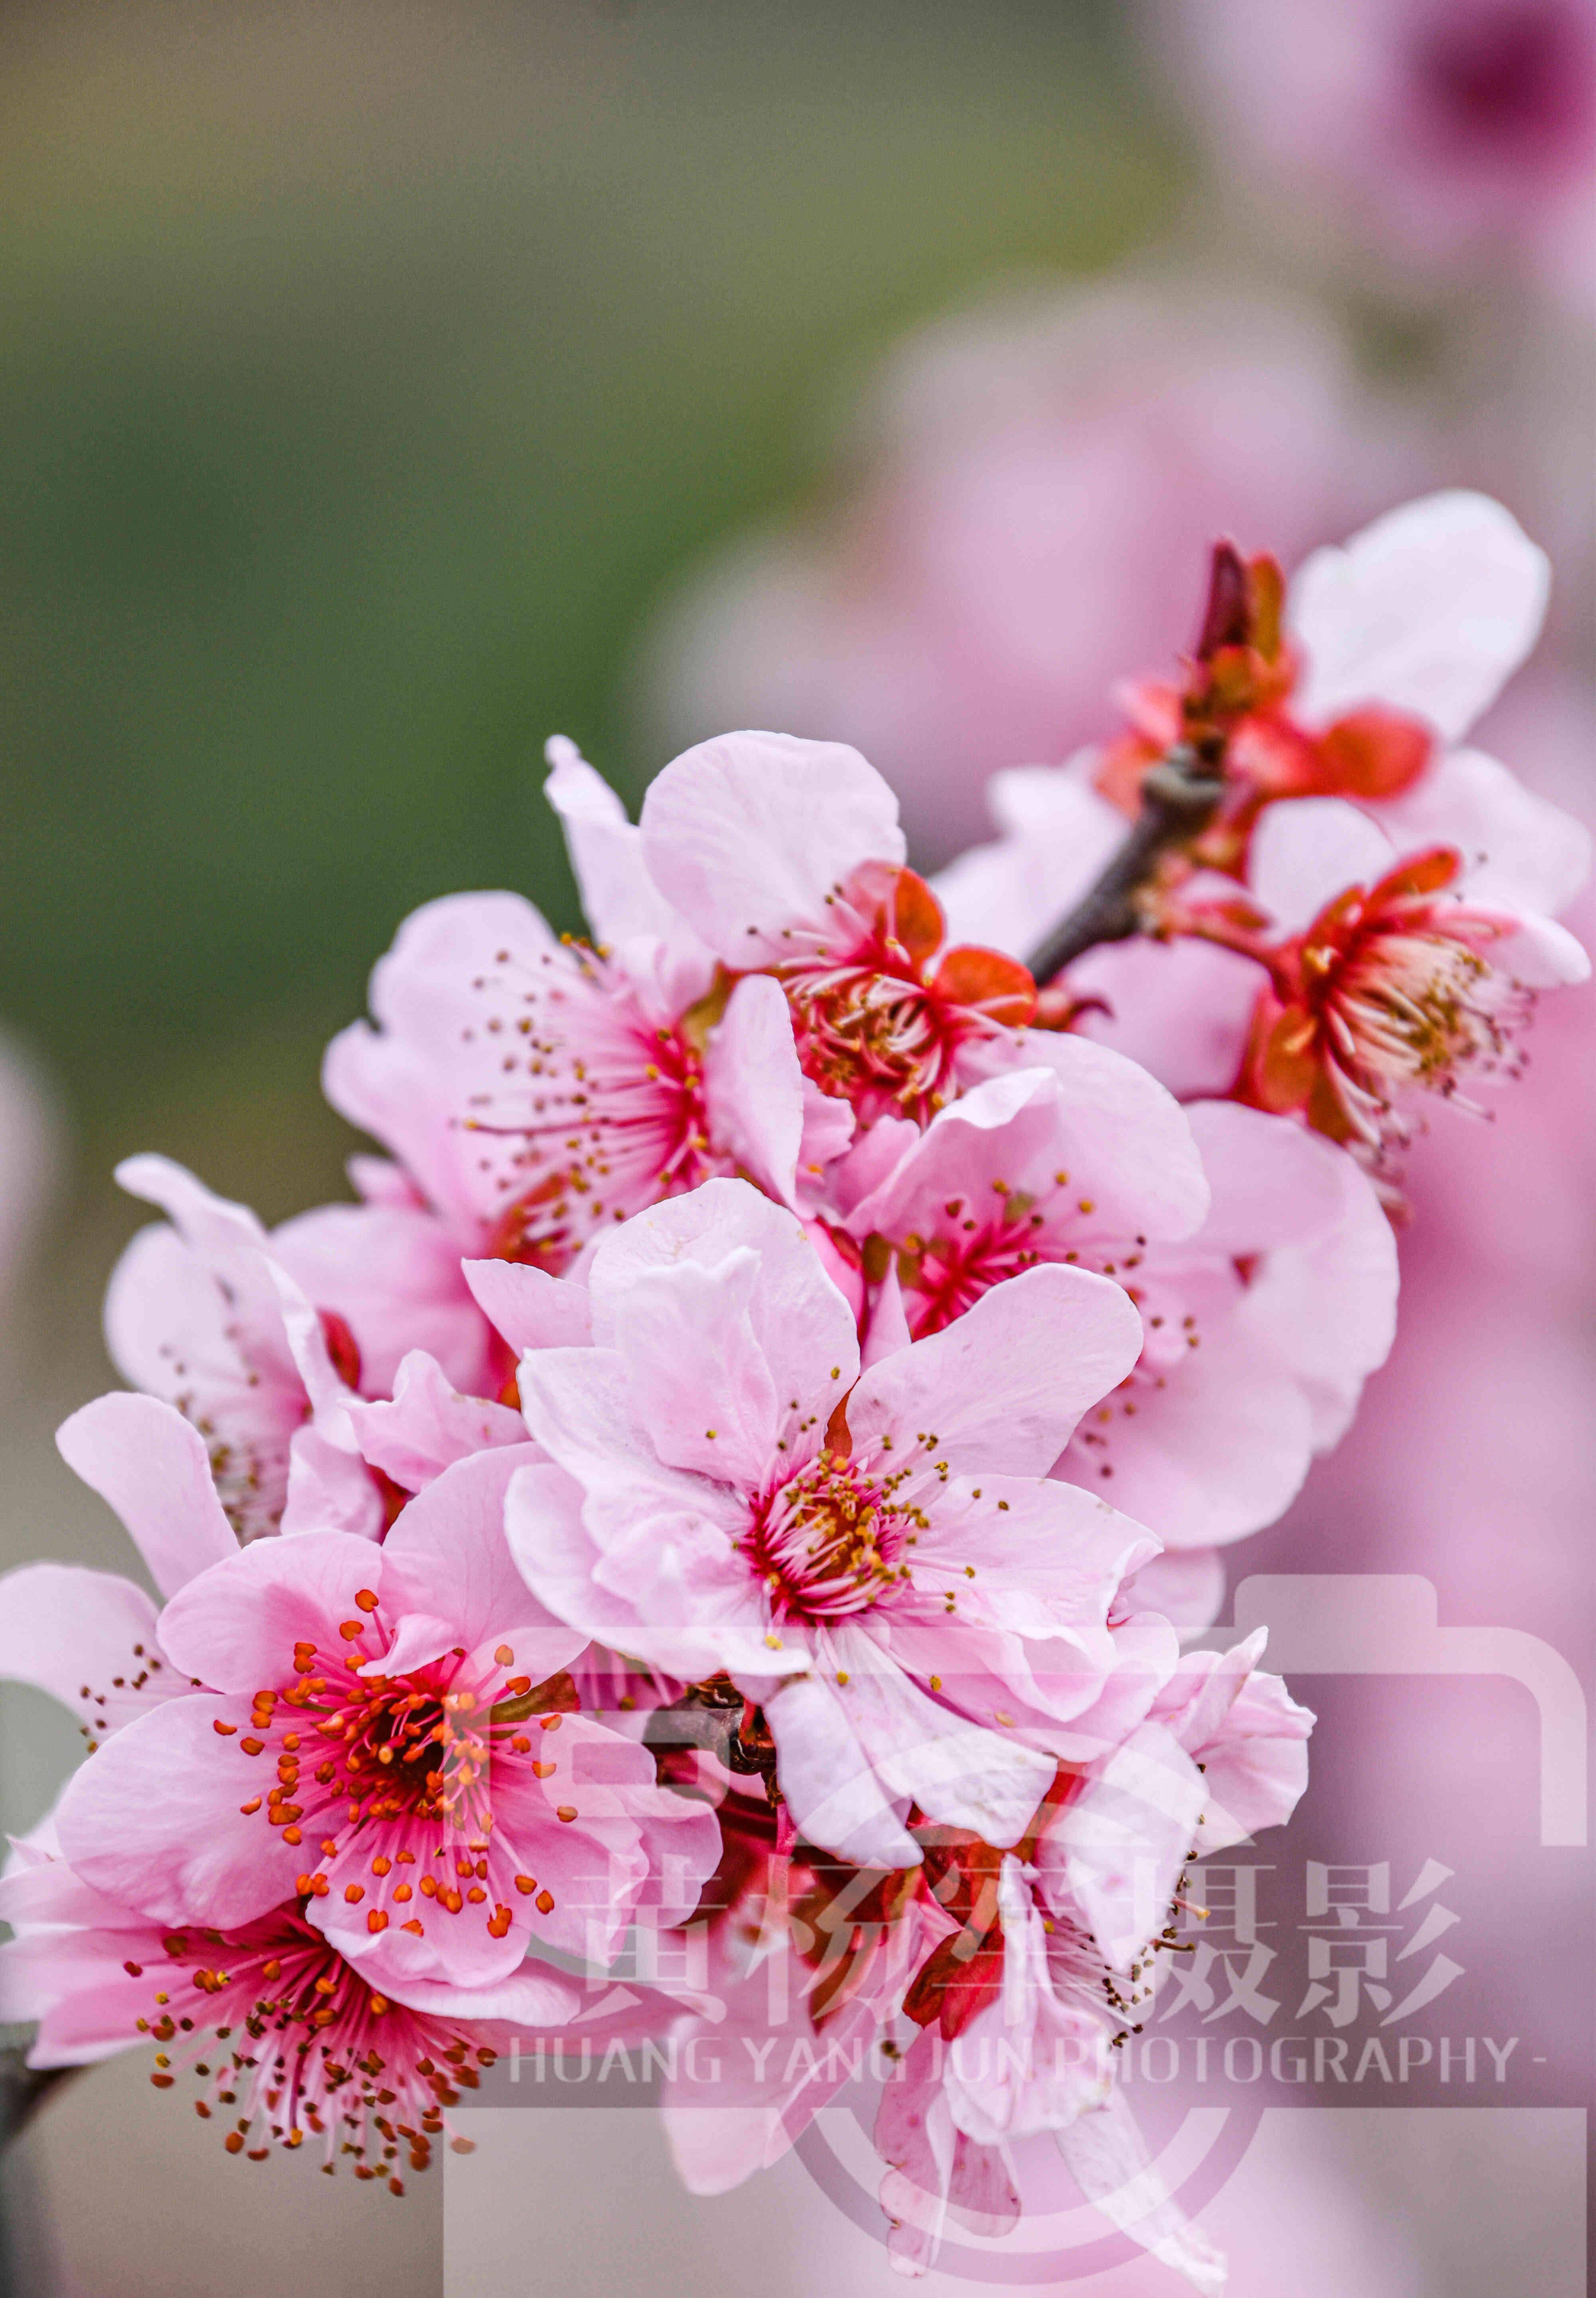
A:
(306, 2046)
(875, 1558)
(1028, 486)
(1453, 136)
(380, 1734)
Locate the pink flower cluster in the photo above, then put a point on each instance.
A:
(728, 1500)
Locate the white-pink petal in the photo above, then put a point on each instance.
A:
(1431, 609)
(1003, 1386)
(152, 1467)
(748, 835)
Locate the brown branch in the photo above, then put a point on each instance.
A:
(1180, 798)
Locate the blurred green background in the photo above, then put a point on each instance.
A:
(364, 374)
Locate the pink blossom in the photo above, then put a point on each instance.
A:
(283, 2038)
(536, 1090)
(264, 1342)
(92, 1639)
(788, 856)
(1018, 2010)
(731, 1494)
(1413, 625)
(1259, 1257)
(1021, 494)
(1448, 134)
(375, 1732)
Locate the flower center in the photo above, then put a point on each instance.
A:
(831, 1541)
(313, 2047)
(596, 1111)
(874, 1025)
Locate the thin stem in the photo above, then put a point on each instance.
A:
(1180, 799)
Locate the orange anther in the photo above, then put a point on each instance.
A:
(505, 1656)
(378, 1920)
(498, 1923)
(566, 1811)
(544, 1770)
(254, 1805)
(544, 1903)
(350, 1629)
(225, 1730)
(293, 1835)
(526, 1885)
(251, 1747)
(353, 1892)
(477, 1895)
(366, 1598)
(413, 1926)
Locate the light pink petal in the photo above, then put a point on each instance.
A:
(888, 1330)
(429, 1426)
(748, 835)
(559, 1559)
(1430, 609)
(1185, 1586)
(959, 1773)
(152, 1467)
(1517, 848)
(1119, 1845)
(393, 1275)
(805, 1328)
(755, 1090)
(1307, 850)
(86, 1637)
(621, 901)
(535, 1995)
(835, 1795)
(530, 1308)
(1046, 1556)
(1180, 1008)
(447, 1554)
(235, 1626)
(1543, 955)
(409, 1082)
(1108, 2161)
(235, 1252)
(1003, 1386)
(1273, 1183)
(1249, 1735)
(1217, 1448)
(330, 1489)
(1121, 1138)
(154, 1819)
(642, 1559)
(874, 1155)
(697, 1375)
(1325, 1305)
(379, 1181)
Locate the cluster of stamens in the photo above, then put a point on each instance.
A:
(572, 1140)
(360, 1754)
(300, 2044)
(831, 1540)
